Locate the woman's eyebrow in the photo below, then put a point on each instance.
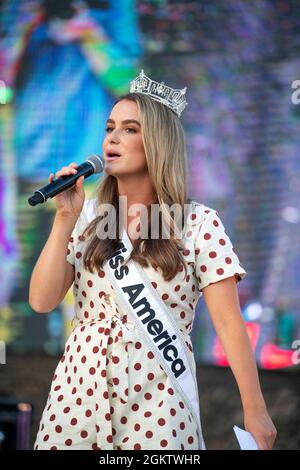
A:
(126, 121)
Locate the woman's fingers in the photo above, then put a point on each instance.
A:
(69, 170)
(66, 170)
(79, 184)
(265, 442)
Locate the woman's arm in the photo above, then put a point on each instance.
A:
(52, 275)
(223, 305)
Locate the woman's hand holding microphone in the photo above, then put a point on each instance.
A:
(69, 203)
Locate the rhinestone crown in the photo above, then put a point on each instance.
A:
(171, 97)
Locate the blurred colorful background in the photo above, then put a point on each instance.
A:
(62, 64)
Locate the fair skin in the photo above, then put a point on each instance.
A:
(221, 298)
(222, 302)
(123, 135)
(51, 279)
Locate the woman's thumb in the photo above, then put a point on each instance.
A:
(79, 183)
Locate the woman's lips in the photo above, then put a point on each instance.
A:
(110, 157)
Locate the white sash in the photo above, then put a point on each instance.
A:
(156, 325)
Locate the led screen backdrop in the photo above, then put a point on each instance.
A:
(63, 63)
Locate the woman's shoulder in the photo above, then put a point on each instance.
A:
(88, 212)
(199, 212)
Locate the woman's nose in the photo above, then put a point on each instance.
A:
(114, 136)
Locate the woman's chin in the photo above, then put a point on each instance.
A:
(112, 167)
(118, 173)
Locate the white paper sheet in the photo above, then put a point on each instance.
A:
(245, 439)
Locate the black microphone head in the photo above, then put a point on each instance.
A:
(97, 162)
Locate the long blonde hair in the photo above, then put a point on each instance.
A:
(165, 149)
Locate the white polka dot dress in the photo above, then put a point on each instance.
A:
(108, 391)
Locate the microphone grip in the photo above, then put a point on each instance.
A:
(61, 184)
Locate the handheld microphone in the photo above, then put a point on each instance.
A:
(94, 164)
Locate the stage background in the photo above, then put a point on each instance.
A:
(63, 64)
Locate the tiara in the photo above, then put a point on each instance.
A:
(171, 97)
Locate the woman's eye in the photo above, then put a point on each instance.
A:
(130, 129)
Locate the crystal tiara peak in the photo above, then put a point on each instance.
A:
(171, 97)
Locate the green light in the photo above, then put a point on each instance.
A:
(6, 93)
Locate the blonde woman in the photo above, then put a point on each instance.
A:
(127, 378)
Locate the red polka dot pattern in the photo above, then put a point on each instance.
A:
(215, 258)
(108, 391)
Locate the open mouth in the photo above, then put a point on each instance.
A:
(111, 155)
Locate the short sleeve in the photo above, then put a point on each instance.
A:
(71, 246)
(75, 242)
(215, 257)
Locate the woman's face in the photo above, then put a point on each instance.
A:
(124, 138)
